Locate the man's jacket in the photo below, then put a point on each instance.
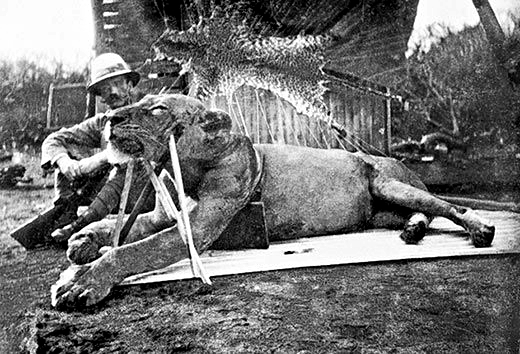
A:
(79, 141)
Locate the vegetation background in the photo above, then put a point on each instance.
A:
(24, 91)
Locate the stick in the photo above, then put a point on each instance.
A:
(183, 202)
(173, 213)
(162, 194)
(123, 201)
(196, 263)
(143, 197)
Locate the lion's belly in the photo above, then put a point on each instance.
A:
(311, 192)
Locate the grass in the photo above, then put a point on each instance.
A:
(23, 202)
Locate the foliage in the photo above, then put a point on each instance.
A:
(24, 89)
(459, 87)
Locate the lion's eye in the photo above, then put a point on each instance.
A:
(157, 111)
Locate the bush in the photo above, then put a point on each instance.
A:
(459, 87)
(24, 90)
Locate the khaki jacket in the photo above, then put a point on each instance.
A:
(79, 141)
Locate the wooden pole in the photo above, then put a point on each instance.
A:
(388, 122)
(49, 106)
(184, 205)
(123, 202)
(141, 201)
(173, 213)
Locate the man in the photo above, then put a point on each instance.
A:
(72, 151)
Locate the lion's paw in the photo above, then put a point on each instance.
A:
(483, 237)
(81, 286)
(413, 232)
(481, 231)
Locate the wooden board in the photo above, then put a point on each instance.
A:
(444, 239)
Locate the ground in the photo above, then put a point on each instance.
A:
(456, 305)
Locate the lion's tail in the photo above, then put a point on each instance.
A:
(482, 204)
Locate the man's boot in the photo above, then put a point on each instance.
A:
(69, 213)
(63, 234)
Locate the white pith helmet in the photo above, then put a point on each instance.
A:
(109, 65)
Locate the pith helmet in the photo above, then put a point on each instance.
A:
(106, 66)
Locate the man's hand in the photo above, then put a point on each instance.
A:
(69, 167)
(73, 169)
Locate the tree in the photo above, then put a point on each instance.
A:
(23, 99)
(458, 88)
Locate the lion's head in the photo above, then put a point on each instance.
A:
(143, 129)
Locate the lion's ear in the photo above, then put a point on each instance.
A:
(215, 120)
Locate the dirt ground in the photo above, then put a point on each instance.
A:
(468, 305)
(456, 305)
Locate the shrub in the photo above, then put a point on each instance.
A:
(458, 86)
(24, 90)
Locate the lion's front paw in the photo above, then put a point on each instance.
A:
(80, 286)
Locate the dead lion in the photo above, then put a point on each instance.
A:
(305, 191)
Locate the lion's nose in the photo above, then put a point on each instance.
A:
(116, 119)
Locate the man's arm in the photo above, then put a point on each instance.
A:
(74, 141)
(73, 169)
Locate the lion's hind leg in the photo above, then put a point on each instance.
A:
(404, 195)
(413, 224)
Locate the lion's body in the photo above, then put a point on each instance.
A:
(308, 192)
(305, 192)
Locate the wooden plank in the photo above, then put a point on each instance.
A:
(378, 130)
(356, 118)
(292, 135)
(239, 104)
(370, 119)
(257, 117)
(361, 120)
(302, 131)
(340, 116)
(247, 109)
(265, 133)
(289, 112)
(331, 104)
(279, 118)
(349, 120)
(272, 113)
(445, 239)
(254, 112)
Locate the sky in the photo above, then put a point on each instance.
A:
(455, 15)
(62, 30)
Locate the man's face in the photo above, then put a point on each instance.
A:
(115, 92)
